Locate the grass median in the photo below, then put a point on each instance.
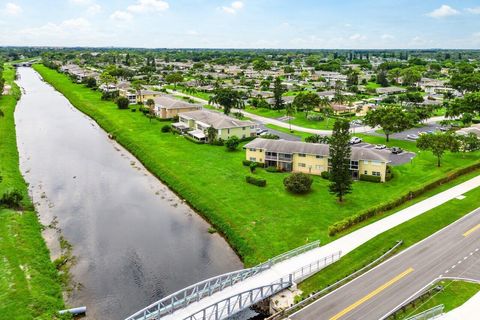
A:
(258, 222)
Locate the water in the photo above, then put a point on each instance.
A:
(135, 241)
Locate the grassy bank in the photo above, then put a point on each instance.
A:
(258, 222)
(410, 232)
(29, 284)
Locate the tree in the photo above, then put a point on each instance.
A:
(211, 134)
(289, 112)
(151, 108)
(90, 82)
(306, 102)
(107, 78)
(278, 90)
(340, 152)
(438, 144)
(382, 78)
(411, 76)
(174, 78)
(228, 99)
(232, 143)
(469, 142)
(390, 118)
(352, 78)
(122, 103)
(298, 182)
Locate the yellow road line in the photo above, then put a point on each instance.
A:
(371, 294)
(466, 234)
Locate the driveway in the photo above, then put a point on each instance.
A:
(282, 135)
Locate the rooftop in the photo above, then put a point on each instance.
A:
(216, 119)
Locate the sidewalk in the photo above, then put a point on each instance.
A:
(344, 244)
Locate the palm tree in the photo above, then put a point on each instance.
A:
(151, 108)
(290, 111)
(211, 134)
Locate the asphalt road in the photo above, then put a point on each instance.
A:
(451, 252)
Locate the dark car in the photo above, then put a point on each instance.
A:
(396, 150)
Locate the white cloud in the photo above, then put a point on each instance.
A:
(387, 36)
(78, 23)
(192, 33)
(13, 9)
(234, 7)
(443, 11)
(143, 6)
(475, 10)
(357, 37)
(94, 9)
(121, 16)
(81, 2)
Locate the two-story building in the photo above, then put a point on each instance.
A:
(167, 107)
(144, 95)
(196, 123)
(313, 158)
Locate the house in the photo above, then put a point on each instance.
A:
(167, 107)
(196, 123)
(475, 129)
(390, 90)
(341, 108)
(144, 95)
(313, 158)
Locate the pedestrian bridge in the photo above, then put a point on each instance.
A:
(227, 294)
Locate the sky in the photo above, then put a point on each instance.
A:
(312, 24)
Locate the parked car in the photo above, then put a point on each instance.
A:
(412, 136)
(260, 131)
(264, 132)
(355, 140)
(396, 150)
(380, 146)
(443, 129)
(357, 122)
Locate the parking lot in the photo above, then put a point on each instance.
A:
(430, 127)
(395, 159)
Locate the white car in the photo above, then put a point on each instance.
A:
(355, 140)
(380, 146)
(412, 136)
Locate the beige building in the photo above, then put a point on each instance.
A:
(144, 95)
(167, 107)
(313, 158)
(196, 123)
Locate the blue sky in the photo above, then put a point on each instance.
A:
(242, 24)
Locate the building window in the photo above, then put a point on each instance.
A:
(253, 149)
(366, 172)
(243, 128)
(365, 161)
(318, 156)
(253, 159)
(302, 165)
(303, 155)
(375, 163)
(376, 173)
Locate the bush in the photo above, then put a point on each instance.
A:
(247, 163)
(325, 175)
(347, 114)
(109, 95)
(298, 182)
(270, 136)
(11, 199)
(315, 117)
(369, 178)
(253, 166)
(166, 128)
(389, 174)
(232, 143)
(122, 103)
(272, 169)
(218, 142)
(256, 181)
(134, 110)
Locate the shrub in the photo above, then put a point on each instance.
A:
(109, 95)
(218, 142)
(232, 143)
(315, 117)
(367, 177)
(298, 182)
(256, 181)
(134, 110)
(272, 169)
(253, 166)
(166, 128)
(389, 174)
(11, 199)
(122, 103)
(325, 175)
(247, 163)
(270, 136)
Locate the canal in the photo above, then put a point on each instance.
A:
(134, 241)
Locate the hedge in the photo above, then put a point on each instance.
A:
(353, 220)
(256, 181)
(325, 175)
(369, 178)
(272, 169)
(247, 163)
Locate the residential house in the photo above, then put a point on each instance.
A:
(167, 107)
(390, 90)
(196, 123)
(144, 95)
(474, 128)
(313, 158)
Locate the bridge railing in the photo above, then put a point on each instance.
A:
(196, 292)
(428, 314)
(231, 305)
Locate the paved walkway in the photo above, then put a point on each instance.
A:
(345, 244)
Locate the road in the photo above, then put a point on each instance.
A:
(451, 252)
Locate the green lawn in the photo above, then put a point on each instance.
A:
(258, 222)
(453, 295)
(410, 232)
(29, 283)
(372, 85)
